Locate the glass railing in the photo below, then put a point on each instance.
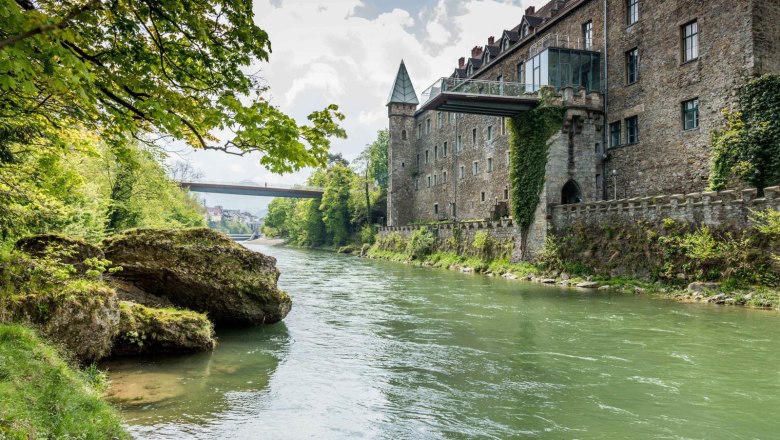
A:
(476, 87)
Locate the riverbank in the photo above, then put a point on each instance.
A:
(43, 396)
(266, 241)
(700, 292)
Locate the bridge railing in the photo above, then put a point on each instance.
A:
(252, 184)
(477, 87)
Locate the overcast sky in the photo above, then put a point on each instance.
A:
(347, 52)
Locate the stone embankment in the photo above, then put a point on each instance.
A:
(140, 292)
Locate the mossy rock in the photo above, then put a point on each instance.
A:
(147, 330)
(79, 314)
(66, 250)
(202, 270)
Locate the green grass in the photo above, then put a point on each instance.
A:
(42, 396)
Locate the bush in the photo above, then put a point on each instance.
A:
(420, 243)
(367, 234)
(392, 242)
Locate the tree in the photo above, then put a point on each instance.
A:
(149, 69)
(374, 156)
(749, 147)
(335, 203)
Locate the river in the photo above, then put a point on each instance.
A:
(375, 349)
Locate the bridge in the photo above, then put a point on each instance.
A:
(276, 190)
(492, 98)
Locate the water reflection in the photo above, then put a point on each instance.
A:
(193, 388)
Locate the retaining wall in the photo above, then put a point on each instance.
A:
(502, 230)
(725, 208)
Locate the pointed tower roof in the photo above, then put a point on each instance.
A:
(403, 91)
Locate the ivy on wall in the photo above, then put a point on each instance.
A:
(529, 133)
(749, 146)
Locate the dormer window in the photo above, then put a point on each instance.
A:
(469, 70)
(524, 30)
(505, 44)
(486, 57)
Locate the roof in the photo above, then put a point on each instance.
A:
(402, 91)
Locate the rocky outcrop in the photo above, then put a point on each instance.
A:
(201, 270)
(66, 250)
(146, 330)
(80, 314)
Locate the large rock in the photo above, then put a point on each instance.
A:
(146, 330)
(80, 314)
(202, 270)
(66, 250)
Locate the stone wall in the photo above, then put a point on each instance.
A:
(501, 230)
(667, 159)
(725, 208)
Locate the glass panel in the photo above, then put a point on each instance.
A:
(555, 79)
(544, 71)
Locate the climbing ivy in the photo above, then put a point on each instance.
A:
(749, 146)
(528, 136)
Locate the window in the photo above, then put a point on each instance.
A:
(503, 126)
(403, 135)
(690, 114)
(459, 143)
(444, 153)
(490, 165)
(524, 30)
(482, 196)
(428, 126)
(690, 41)
(614, 134)
(429, 181)
(500, 81)
(587, 35)
(633, 11)
(462, 171)
(426, 156)
(520, 73)
(418, 160)
(490, 132)
(507, 158)
(505, 44)
(435, 152)
(450, 117)
(435, 208)
(439, 120)
(435, 181)
(416, 184)
(452, 208)
(474, 137)
(632, 66)
(444, 177)
(475, 168)
(632, 130)
(419, 131)
(506, 193)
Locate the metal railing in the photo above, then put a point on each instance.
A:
(250, 184)
(560, 41)
(477, 87)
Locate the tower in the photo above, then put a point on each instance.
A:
(401, 106)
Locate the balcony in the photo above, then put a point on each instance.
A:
(492, 98)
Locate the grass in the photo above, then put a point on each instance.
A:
(42, 396)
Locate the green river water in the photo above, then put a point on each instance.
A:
(375, 349)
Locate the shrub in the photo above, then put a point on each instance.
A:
(420, 243)
(367, 234)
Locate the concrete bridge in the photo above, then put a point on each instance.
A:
(276, 190)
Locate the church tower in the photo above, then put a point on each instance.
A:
(401, 106)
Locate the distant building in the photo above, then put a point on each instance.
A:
(214, 214)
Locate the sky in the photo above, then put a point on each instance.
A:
(347, 52)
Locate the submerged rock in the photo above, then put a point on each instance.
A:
(146, 330)
(202, 270)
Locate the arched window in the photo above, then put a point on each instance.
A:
(571, 193)
(403, 135)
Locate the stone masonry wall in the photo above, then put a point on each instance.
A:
(766, 36)
(725, 208)
(666, 158)
(501, 230)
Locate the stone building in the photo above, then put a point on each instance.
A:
(643, 83)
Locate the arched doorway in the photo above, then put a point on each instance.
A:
(571, 193)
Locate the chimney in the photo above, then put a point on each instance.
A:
(461, 62)
(491, 41)
(530, 10)
(476, 52)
